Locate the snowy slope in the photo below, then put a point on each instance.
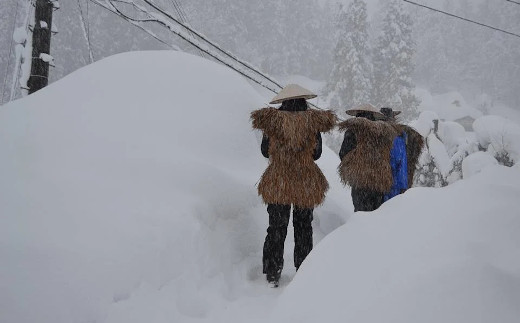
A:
(446, 255)
(128, 195)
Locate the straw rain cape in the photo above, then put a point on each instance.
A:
(367, 166)
(292, 176)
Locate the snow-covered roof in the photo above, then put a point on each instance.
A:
(449, 106)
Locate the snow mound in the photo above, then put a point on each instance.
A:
(128, 195)
(476, 162)
(439, 154)
(424, 124)
(499, 135)
(452, 135)
(430, 255)
(449, 106)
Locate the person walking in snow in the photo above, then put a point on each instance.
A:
(292, 142)
(365, 157)
(404, 156)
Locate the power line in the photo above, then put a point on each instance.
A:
(465, 19)
(135, 21)
(513, 1)
(86, 30)
(177, 7)
(153, 5)
(122, 16)
(183, 18)
(108, 5)
(190, 30)
(194, 42)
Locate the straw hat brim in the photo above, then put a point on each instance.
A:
(292, 92)
(306, 97)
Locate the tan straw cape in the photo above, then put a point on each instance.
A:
(366, 108)
(292, 91)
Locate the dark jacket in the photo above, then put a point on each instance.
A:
(349, 143)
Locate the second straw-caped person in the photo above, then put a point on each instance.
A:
(365, 157)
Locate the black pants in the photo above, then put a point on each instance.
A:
(277, 231)
(366, 200)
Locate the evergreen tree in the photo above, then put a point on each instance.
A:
(349, 81)
(393, 63)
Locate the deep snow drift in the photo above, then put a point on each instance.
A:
(430, 255)
(128, 195)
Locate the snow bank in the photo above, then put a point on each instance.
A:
(452, 135)
(128, 195)
(498, 135)
(430, 255)
(476, 162)
(449, 106)
(439, 154)
(424, 124)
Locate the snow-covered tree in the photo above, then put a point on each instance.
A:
(393, 62)
(350, 79)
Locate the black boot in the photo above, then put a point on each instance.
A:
(302, 222)
(274, 241)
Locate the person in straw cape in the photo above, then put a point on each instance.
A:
(292, 142)
(365, 157)
(404, 156)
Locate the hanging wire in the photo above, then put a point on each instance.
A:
(153, 35)
(88, 25)
(513, 2)
(184, 18)
(86, 30)
(462, 18)
(114, 9)
(187, 28)
(217, 47)
(136, 21)
(108, 5)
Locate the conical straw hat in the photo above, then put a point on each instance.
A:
(292, 91)
(366, 108)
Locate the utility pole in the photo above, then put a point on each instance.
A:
(41, 46)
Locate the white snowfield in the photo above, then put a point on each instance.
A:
(127, 194)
